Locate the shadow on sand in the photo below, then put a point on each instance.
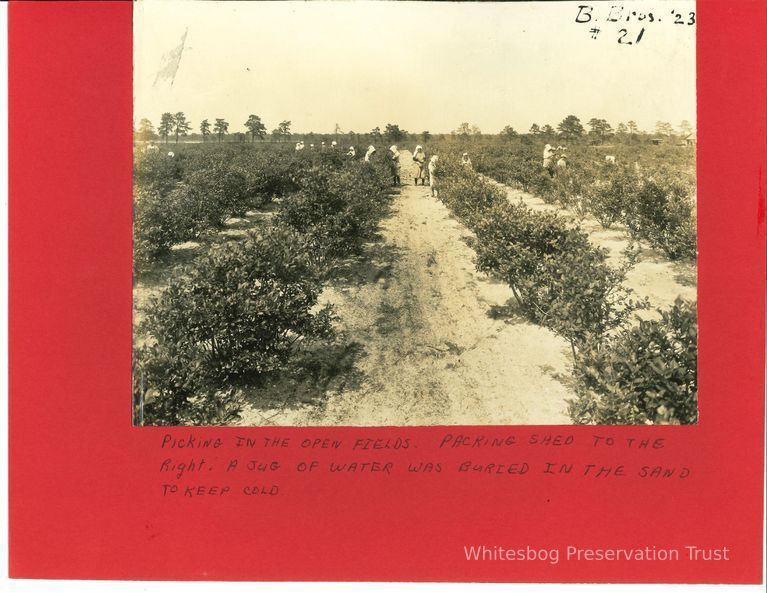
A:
(509, 312)
(374, 264)
(308, 378)
(316, 372)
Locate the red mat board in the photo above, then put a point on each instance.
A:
(86, 496)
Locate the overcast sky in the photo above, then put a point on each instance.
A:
(424, 66)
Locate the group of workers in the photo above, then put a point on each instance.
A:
(554, 159)
(422, 168)
(152, 148)
(300, 145)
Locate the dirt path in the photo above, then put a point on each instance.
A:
(654, 276)
(439, 344)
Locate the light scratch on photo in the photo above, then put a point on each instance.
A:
(171, 62)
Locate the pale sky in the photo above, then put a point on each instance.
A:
(424, 66)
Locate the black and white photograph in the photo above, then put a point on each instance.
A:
(414, 214)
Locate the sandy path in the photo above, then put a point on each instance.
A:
(440, 345)
(654, 276)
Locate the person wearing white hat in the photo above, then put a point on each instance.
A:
(465, 160)
(420, 171)
(352, 153)
(395, 166)
(369, 154)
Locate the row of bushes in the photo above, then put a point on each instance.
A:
(337, 210)
(645, 374)
(240, 311)
(563, 282)
(558, 278)
(654, 203)
(235, 315)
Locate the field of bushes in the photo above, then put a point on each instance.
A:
(649, 190)
(241, 310)
(625, 370)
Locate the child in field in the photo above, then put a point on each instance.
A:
(419, 158)
(465, 160)
(433, 175)
(395, 167)
(352, 153)
(369, 154)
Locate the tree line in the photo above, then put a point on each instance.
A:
(176, 125)
(570, 129)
